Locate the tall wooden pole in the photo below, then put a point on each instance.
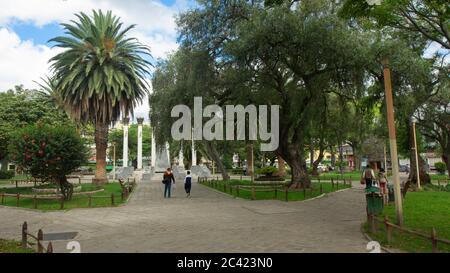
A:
(393, 141)
(416, 154)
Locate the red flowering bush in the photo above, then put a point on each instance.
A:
(48, 153)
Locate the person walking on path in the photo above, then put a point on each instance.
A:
(188, 184)
(368, 176)
(167, 181)
(382, 179)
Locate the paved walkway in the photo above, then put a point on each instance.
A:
(208, 222)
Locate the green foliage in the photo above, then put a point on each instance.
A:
(268, 170)
(47, 152)
(21, 107)
(6, 174)
(440, 167)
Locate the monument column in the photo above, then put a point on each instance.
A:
(153, 158)
(194, 154)
(139, 144)
(125, 122)
(181, 156)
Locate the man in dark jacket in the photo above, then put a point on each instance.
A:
(167, 181)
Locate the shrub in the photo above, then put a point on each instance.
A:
(48, 153)
(268, 171)
(6, 174)
(440, 167)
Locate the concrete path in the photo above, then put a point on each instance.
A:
(208, 222)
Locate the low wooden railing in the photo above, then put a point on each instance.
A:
(434, 240)
(276, 188)
(36, 198)
(38, 238)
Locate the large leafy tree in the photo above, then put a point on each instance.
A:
(101, 75)
(20, 107)
(415, 18)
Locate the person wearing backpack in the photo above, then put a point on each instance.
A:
(188, 184)
(167, 181)
(368, 176)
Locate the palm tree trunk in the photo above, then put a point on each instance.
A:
(101, 144)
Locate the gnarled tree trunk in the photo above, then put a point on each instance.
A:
(281, 167)
(101, 144)
(250, 159)
(65, 187)
(212, 152)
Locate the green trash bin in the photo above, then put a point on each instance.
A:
(374, 200)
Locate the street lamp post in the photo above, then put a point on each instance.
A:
(416, 153)
(392, 141)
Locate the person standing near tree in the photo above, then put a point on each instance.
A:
(167, 181)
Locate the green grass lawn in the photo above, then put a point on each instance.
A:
(421, 212)
(280, 195)
(8, 246)
(354, 175)
(76, 201)
(17, 177)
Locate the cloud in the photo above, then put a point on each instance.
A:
(23, 62)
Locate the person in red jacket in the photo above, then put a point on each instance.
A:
(167, 181)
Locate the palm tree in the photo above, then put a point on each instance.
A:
(100, 75)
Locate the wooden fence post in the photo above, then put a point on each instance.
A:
(321, 190)
(388, 230)
(351, 182)
(3, 197)
(90, 200)
(275, 193)
(224, 187)
(112, 199)
(79, 180)
(34, 202)
(253, 193)
(24, 234)
(40, 237)
(332, 184)
(50, 248)
(18, 198)
(237, 190)
(434, 241)
(62, 203)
